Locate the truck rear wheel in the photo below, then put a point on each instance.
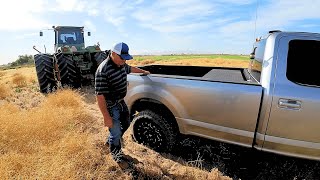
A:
(153, 131)
(69, 74)
(45, 72)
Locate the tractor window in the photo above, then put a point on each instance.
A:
(70, 37)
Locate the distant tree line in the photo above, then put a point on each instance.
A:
(22, 60)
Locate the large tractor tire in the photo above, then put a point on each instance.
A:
(154, 131)
(100, 57)
(45, 72)
(69, 73)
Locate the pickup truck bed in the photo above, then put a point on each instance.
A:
(202, 101)
(232, 75)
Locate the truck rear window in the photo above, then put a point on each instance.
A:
(255, 65)
(303, 62)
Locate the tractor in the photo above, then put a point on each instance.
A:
(72, 64)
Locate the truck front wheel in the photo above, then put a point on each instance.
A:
(154, 131)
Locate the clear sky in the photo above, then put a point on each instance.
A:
(153, 26)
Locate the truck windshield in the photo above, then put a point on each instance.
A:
(70, 36)
(255, 65)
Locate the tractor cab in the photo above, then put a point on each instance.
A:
(69, 36)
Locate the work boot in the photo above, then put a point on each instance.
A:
(130, 159)
(117, 156)
(123, 164)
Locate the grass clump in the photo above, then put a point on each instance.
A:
(19, 80)
(2, 73)
(4, 91)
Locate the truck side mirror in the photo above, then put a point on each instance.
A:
(41, 33)
(89, 33)
(251, 56)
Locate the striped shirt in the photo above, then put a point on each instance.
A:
(111, 80)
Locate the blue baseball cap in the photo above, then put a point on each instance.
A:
(122, 49)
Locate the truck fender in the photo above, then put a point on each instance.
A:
(160, 95)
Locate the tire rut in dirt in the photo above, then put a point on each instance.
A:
(45, 72)
(153, 131)
(69, 72)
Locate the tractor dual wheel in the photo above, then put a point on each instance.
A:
(154, 131)
(69, 73)
(45, 72)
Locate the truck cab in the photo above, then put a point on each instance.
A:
(290, 112)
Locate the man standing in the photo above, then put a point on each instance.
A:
(111, 88)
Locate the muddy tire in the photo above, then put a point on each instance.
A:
(69, 73)
(152, 130)
(45, 72)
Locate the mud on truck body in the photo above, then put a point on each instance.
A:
(72, 63)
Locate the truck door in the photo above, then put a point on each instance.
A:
(294, 122)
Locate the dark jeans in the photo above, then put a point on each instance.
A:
(121, 122)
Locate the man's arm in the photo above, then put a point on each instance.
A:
(138, 70)
(103, 108)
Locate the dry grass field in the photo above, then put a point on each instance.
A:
(61, 136)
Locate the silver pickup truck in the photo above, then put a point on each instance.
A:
(273, 105)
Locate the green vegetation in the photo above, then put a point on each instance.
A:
(23, 60)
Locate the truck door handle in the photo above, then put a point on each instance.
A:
(289, 104)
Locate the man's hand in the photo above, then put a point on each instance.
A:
(138, 70)
(108, 122)
(103, 108)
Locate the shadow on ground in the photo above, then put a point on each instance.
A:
(243, 163)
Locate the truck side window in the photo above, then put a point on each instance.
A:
(303, 62)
